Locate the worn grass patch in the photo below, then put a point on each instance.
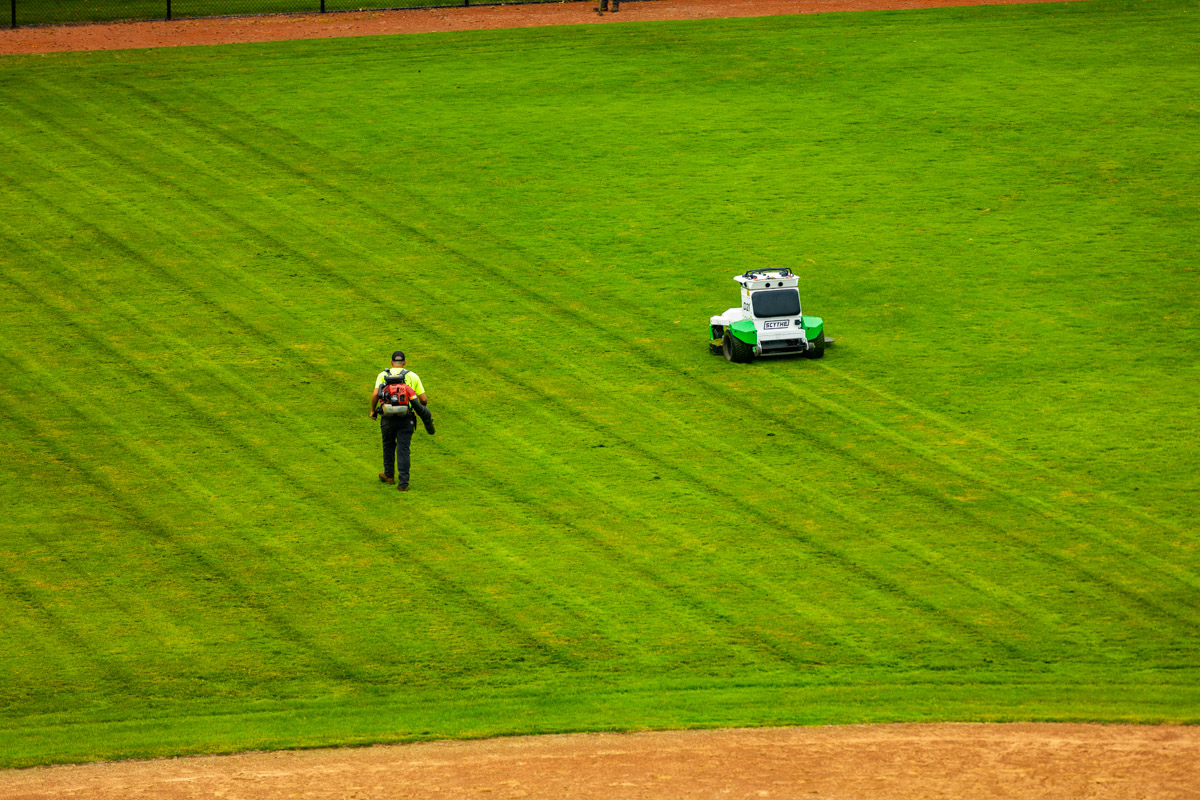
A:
(979, 505)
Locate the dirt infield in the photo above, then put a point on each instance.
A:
(129, 35)
(878, 762)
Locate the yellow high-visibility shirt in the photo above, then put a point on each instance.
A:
(412, 379)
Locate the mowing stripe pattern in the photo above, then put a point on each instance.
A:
(979, 505)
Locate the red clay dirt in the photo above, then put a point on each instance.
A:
(128, 35)
(868, 762)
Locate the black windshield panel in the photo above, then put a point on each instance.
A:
(781, 303)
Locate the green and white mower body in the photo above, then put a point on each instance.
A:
(769, 322)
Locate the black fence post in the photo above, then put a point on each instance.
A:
(168, 10)
(14, 13)
(322, 6)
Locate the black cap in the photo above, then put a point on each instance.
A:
(398, 355)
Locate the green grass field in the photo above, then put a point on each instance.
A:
(980, 505)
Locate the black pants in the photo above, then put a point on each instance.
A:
(397, 432)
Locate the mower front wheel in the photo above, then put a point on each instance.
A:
(818, 348)
(736, 350)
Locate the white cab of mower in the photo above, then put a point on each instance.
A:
(769, 322)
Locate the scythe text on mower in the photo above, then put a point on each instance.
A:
(769, 323)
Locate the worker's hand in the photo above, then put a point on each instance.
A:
(372, 415)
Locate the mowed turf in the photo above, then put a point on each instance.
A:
(979, 506)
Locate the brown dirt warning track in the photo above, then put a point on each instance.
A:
(879, 762)
(225, 30)
(870, 762)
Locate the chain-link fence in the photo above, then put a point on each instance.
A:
(51, 12)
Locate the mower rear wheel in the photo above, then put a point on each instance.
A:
(736, 350)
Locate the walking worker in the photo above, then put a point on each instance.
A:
(399, 398)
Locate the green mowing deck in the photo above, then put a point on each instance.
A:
(206, 254)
